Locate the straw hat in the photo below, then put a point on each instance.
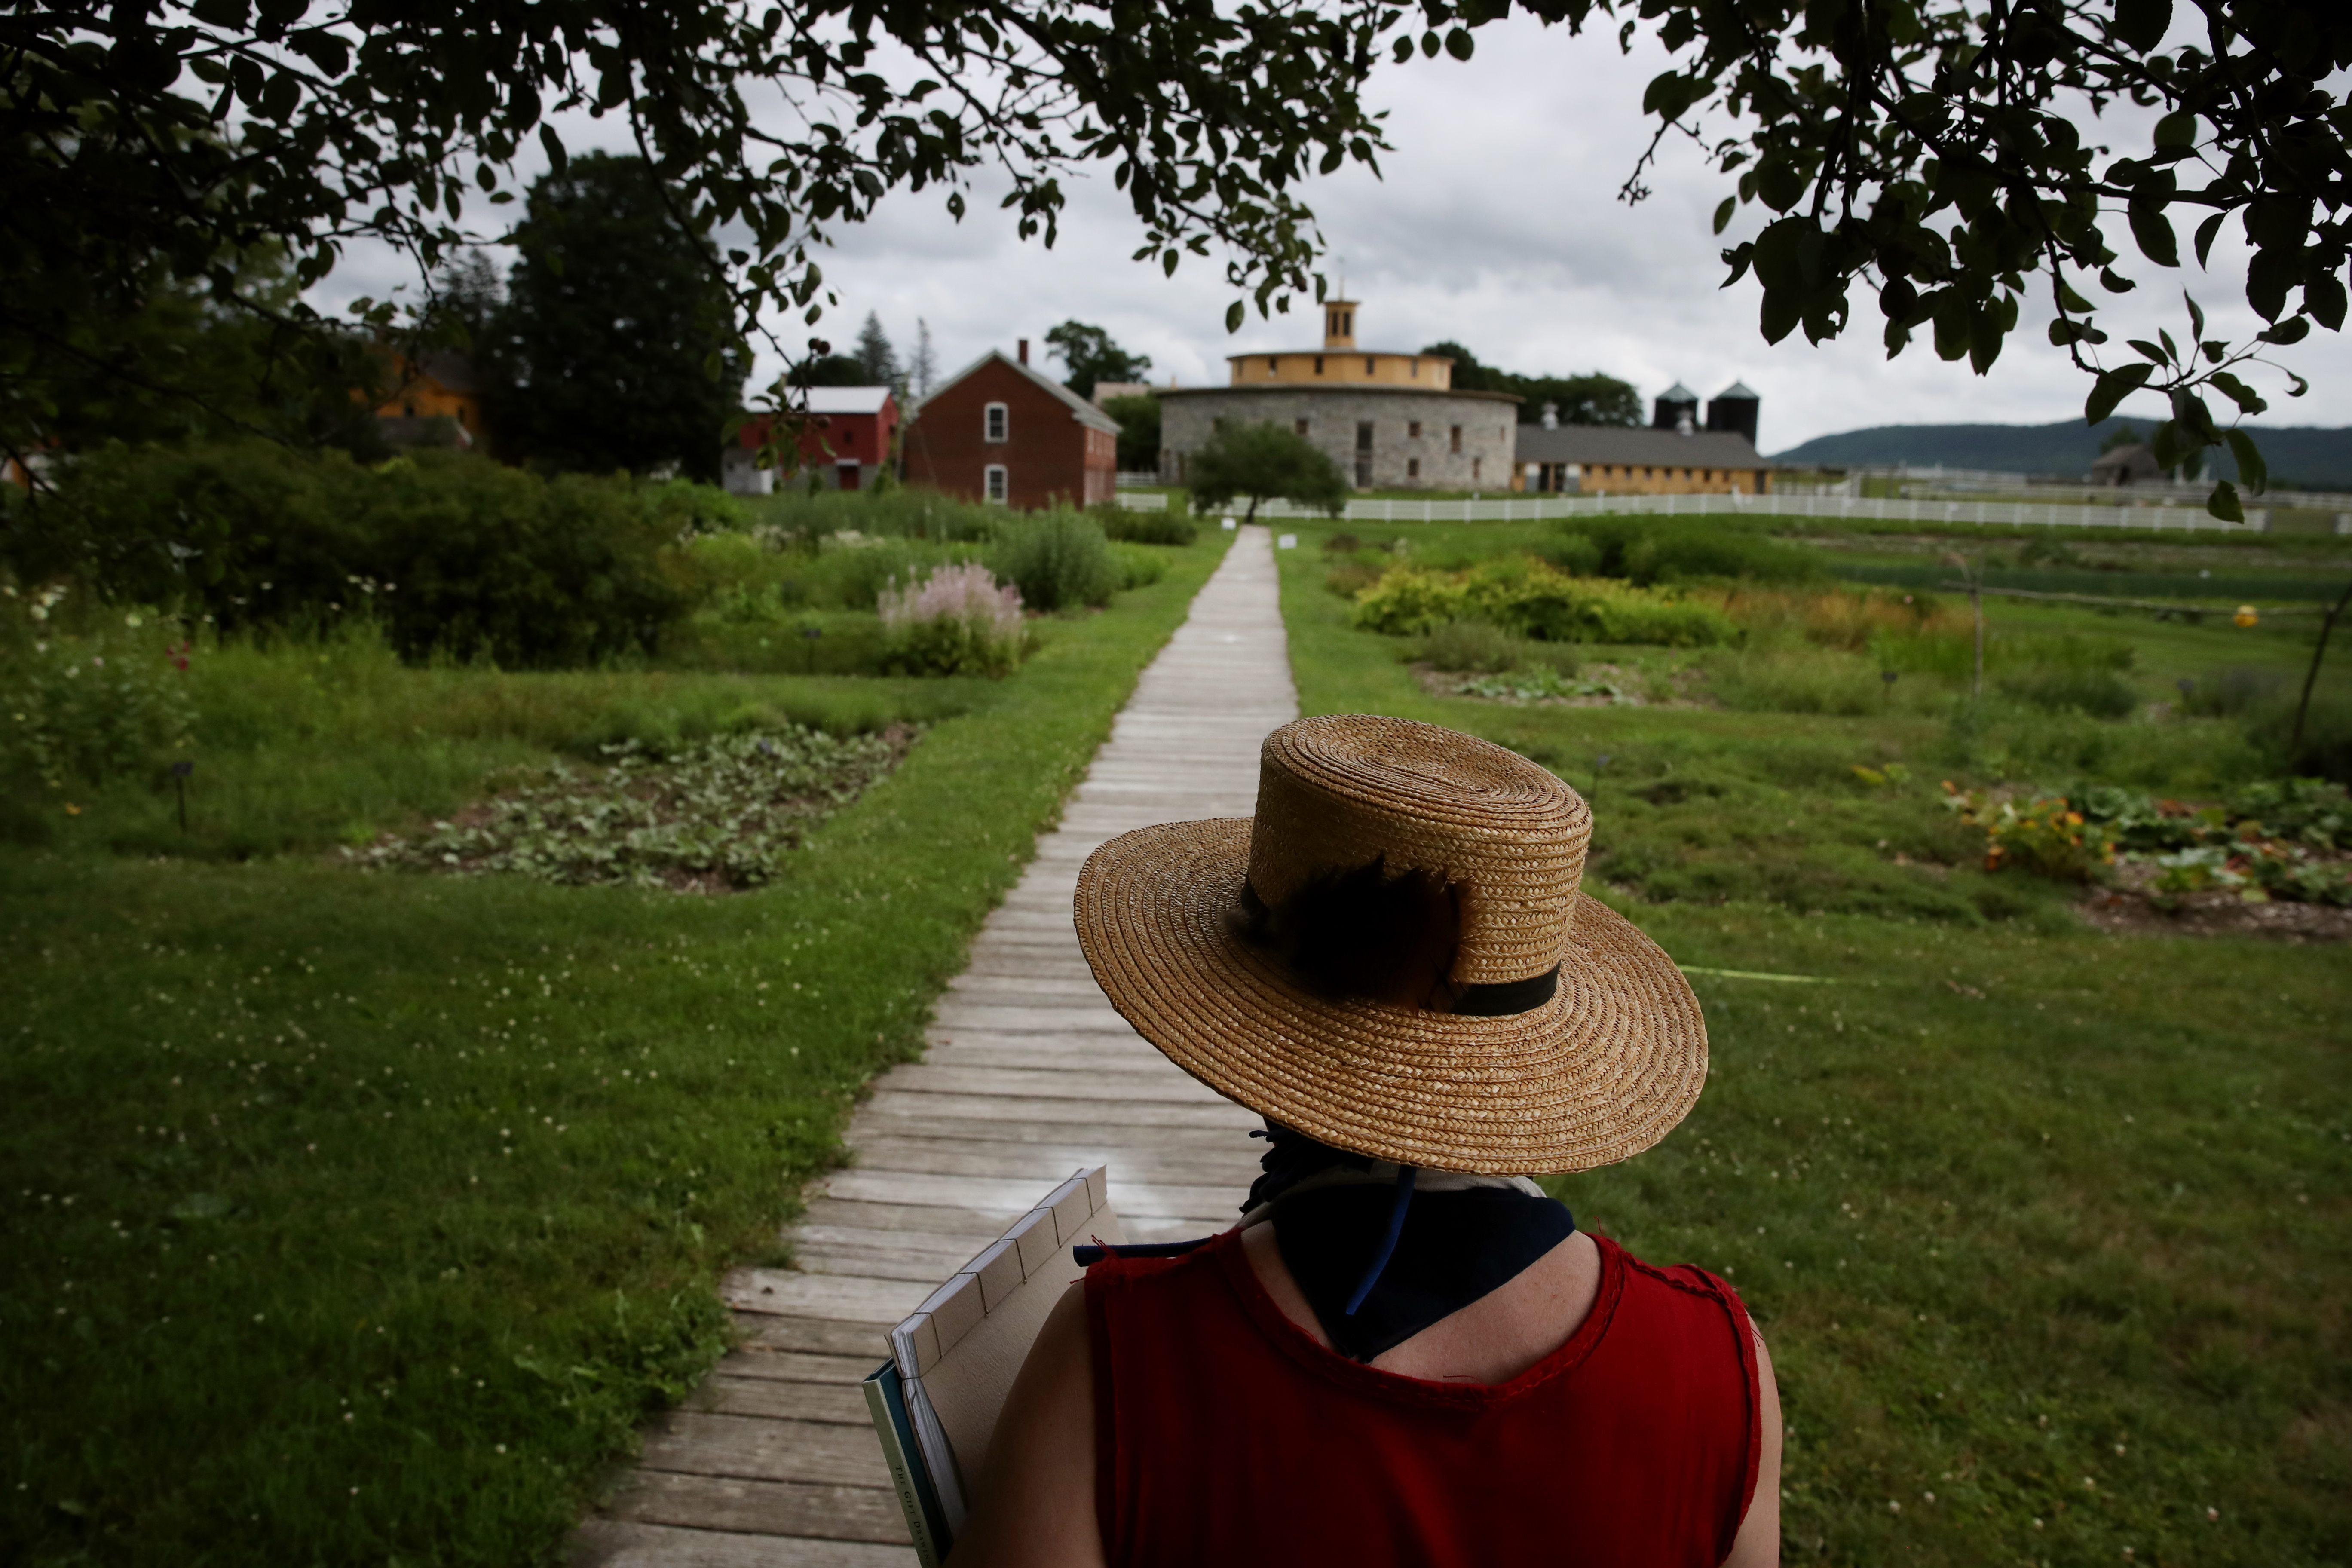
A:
(1602, 1049)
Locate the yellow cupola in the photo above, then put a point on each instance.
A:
(1339, 362)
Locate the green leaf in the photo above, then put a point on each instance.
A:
(548, 139)
(1783, 308)
(2293, 329)
(2223, 503)
(2177, 130)
(2322, 296)
(2113, 387)
(2252, 469)
(2140, 23)
(1234, 316)
(2248, 400)
(1723, 214)
(2155, 354)
(2196, 318)
(2070, 300)
(2205, 232)
(2194, 416)
(2114, 282)
(2153, 231)
(1459, 43)
(2171, 349)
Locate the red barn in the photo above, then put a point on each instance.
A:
(999, 431)
(848, 440)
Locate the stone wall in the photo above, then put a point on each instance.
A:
(1409, 428)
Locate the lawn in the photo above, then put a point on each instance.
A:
(2047, 1228)
(362, 1216)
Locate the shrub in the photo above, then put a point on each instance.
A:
(1408, 602)
(1473, 646)
(454, 554)
(2232, 693)
(1528, 598)
(1138, 567)
(1058, 560)
(961, 621)
(1350, 578)
(85, 706)
(480, 560)
(1166, 526)
(1650, 550)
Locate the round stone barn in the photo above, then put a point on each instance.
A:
(1391, 421)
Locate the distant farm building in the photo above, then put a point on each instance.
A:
(847, 443)
(999, 431)
(436, 402)
(1389, 420)
(1673, 457)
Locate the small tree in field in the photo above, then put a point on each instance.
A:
(1263, 463)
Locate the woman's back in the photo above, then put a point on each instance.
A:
(1220, 1420)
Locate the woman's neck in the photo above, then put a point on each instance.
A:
(1492, 1339)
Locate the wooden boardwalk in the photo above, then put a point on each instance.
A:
(1030, 1075)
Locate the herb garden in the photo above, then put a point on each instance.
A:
(2025, 1134)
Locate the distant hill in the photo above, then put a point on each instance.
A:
(2301, 456)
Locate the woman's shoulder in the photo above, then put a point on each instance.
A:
(1672, 1287)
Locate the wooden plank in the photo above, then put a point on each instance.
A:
(1101, 1143)
(889, 1101)
(830, 1367)
(701, 1443)
(825, 1511)
(627, 1543)
(1013, 1198)
(974, 1157)
(759, 1335)
(788, 1292)
(1134, 1089)
(841, 1404)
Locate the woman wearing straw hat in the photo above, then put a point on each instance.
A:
(1405, 1353)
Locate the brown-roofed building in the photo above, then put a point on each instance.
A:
(2131, 465)
(436, 402)
(1598, 459)
(1000, 431)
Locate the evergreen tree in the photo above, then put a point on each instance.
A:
(617, 342)
(877, 360)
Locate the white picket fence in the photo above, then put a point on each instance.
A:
(1938, 513)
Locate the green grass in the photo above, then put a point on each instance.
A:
(2007, 1196)
(361, 1218)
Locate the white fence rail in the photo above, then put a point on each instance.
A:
(1942, 513)
(1143, 502)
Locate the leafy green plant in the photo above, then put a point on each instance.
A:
(1138, 567)
(958, 621)
(721, 814)
(106, 701)
(2047, 836)
(1476, 645)
(1526, 597)
(1169, 525)
(1059, 560)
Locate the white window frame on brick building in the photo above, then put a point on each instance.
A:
(996, 423)
(995, 484)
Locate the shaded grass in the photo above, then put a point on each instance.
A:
(2007, 1196)
(360, 1218)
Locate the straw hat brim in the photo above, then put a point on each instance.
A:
(1598, 1074)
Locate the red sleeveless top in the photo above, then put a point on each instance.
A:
(1223, 1434)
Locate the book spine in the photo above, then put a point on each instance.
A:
(887, 1407)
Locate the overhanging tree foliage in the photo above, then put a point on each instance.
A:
(182, 134)
(1939, 155)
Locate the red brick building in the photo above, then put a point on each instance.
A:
(848, 440)
(999, 431)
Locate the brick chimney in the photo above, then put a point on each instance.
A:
(1024, 351)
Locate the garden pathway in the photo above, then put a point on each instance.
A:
(1030, 1075)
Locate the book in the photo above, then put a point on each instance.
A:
(910, 1474)
(934, 1403)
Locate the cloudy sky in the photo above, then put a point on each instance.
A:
(1496, 222)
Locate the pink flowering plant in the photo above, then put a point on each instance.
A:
(88, 693)
(958, 621)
